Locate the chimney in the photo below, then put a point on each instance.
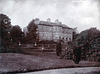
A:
(57, 21)
(49, 20)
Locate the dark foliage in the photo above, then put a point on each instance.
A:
(58, 48)
(86, 41)
(32, 35)
(16, 34)
(5, 28)
(10, 36)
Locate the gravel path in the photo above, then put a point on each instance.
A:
(86, 70)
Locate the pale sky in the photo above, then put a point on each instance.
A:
(82, 14)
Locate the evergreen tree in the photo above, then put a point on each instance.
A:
(32, 32)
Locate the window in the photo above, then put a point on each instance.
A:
(46, 35)
(59, 37)
(66, 39)
(69, 38)
(50, 29)
(56, 38)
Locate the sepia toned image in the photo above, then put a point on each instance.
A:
(49, 36)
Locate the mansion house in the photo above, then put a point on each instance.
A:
(48, 30)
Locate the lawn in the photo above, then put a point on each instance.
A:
(36, 61)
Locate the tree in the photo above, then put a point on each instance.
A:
(16, 38)
(5, 27)
(89, 38)
(87, 41)
(16, 34)
(75, 33)
(84, 42)
(9, 35)
(32, 32)
(58, 48)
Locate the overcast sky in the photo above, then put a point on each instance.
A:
(82, 14)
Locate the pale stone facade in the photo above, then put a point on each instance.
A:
(48, 30)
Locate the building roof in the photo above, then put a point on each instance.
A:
(53, 24)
